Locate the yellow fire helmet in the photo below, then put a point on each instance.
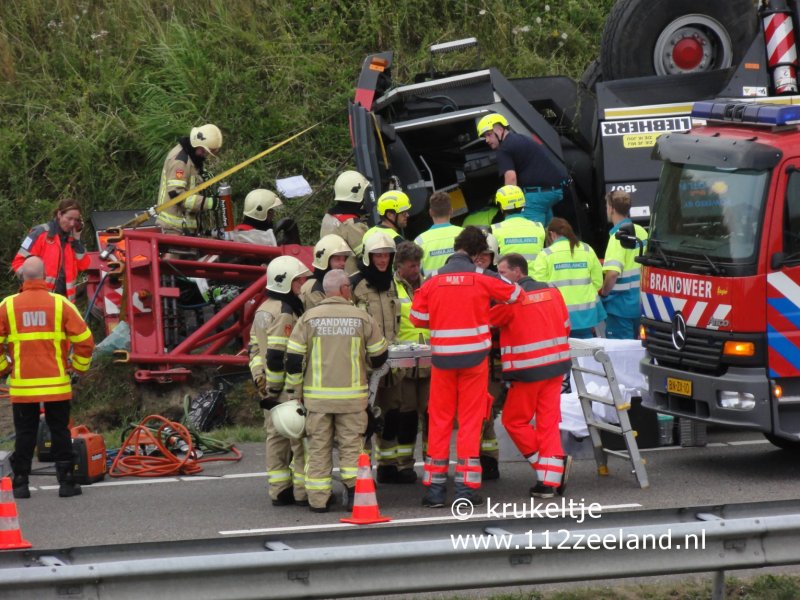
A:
(393, 200)
(487, 123)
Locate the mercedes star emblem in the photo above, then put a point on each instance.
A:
(678, 331)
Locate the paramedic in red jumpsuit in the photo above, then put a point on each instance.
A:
(534, 349)
(454, 305)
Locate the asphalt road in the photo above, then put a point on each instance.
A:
(230, 498)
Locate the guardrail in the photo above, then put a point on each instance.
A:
(350, 563)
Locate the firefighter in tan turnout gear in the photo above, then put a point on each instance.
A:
(345, 217)
(326, 364)
(375, 291)
(184, 170)
(331, 252)
(272, 325)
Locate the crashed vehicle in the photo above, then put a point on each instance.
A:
(656, 59)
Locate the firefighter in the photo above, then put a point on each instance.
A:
(454, 305)
(516, 233)
(326, 364)
(58, 244)
(272, 326)
(572, 267)
(44, 343)
(534, 346)
(184, 169)
(526, 163)
(330, 252)
(415, 382)
(374, 291)
(393, 207)
(488, 260)
(258, 219)
(346, 217)
(621, 273)
(437, 242)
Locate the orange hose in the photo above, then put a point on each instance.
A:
(141, 463)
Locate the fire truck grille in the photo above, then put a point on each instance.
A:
(701, 354)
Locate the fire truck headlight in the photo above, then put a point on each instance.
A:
(736, 400)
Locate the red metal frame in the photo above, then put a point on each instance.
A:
(148, 256)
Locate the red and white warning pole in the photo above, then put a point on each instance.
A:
(781, 45)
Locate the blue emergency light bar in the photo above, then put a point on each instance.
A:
(768, 115)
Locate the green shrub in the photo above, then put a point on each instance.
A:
(93, 94)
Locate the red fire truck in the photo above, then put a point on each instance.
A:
(721, 274)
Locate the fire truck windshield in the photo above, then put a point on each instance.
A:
(708, 214)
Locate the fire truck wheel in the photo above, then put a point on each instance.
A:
(784, 444)
(592, 75)
(669, 37)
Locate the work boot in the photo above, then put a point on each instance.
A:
(66, 479)
(490, 468)
(350, 499)
(565, 475)
(435, 496)
(285, 498)
(19, 484)
(467, 493)
(406, 476)
(541, 490)
(387, 474)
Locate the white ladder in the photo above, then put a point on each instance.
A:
(582, 348)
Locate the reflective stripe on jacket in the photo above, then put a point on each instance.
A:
(437, 246)
(534, 333)
(43, 241)
(454, 304)
(37, 328)
(623, 300)
(407, 332)
(179, 175)
(334, 338)
(269, 334)
(518, 234)
(578, 276)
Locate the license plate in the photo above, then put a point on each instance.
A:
(682, 387)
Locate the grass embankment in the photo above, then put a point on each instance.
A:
(93, 94)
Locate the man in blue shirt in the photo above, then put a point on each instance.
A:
(525, 162)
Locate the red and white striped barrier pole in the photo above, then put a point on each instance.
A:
(781, 46)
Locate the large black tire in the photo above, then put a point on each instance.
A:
(783, 444)
(635, 28)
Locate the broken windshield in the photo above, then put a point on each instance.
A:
(709, 214)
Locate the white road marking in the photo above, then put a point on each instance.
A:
(191, 478)
(609, 507)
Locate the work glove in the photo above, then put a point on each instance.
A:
(261, 384)
(374, 423)
(268, 403)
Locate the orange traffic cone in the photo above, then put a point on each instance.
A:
(10, 534)
(365, 504)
